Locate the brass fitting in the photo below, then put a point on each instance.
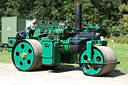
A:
(23, 55)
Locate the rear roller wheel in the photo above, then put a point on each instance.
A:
(100, 55)
(26, 55)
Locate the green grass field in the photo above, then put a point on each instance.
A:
(120, 49)
(5, 57)
(122, 56)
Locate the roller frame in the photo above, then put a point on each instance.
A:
(99, 64)
(89, 46)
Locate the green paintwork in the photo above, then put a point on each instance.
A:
(50, 53)
(65, 47)
(21, 63)
(90, 27)
(67, 55)
(53, 30)
(56, 57)
(66, 50)
(89, 47)
(91, 71)
(9, 49)
(89, 50)
(37, 32)
(47, 61)
(99, 42)
(47, 52)
(59, 31)
(11, 44)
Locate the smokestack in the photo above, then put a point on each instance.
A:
(78, 14)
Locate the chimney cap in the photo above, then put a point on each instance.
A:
(78, 2)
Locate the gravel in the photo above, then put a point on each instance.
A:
(9, 75)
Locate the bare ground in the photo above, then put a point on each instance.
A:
(9, 75)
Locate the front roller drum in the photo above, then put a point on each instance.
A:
(103, 61)
(26, 55)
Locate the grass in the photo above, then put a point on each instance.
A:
(122, 56)
(5, 57)
(120, 49)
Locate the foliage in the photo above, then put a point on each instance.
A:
(123, 22)
(2, 7)
(123, 7)
(19, 7)
(122, 39)
(102, 12)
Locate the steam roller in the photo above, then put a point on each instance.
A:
(64, 44)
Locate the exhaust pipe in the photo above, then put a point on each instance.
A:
(78, 14)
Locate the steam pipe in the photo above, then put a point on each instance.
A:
(78, 15)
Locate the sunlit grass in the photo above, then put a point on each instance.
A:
(5, 57)
(122, 56)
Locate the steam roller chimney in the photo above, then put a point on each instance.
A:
(78, 15)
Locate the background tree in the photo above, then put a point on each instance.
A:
(2, 7)
(19, 7)
(102, 12)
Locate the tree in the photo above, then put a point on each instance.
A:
(42, 9)
(108, 13)
(102, 12)
(19, 7)
(2, 7)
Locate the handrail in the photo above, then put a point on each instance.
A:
(47, 26)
